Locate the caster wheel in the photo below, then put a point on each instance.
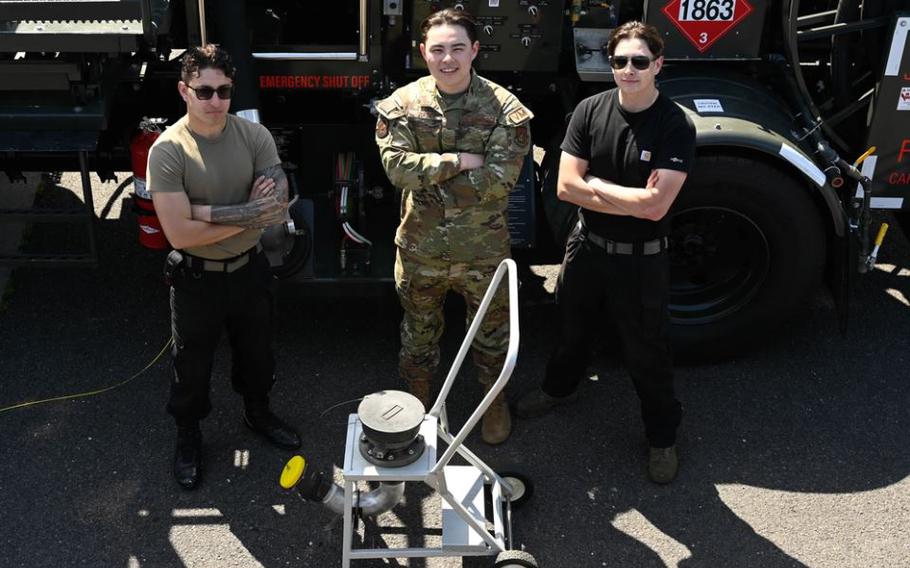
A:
(515, 559)
(522, 488)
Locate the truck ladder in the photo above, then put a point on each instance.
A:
(836, 32)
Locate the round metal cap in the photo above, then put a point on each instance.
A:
(390, 417)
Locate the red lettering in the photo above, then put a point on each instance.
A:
(905, 149)
(339, 81)
(899, 178)
(319, 82)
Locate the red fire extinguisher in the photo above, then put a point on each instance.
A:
(150, 233)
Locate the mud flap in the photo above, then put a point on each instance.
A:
(844, 251)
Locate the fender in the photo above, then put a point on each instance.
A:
(738, 112)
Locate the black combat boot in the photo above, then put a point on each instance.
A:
(261, 420)
(663, 464)
(188, 456)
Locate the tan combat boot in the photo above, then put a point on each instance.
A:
(421, 389)
(497, 422)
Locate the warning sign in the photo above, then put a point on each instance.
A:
(703, 22)
(903, 103)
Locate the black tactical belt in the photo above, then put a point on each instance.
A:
(223, 265)
(638, 248)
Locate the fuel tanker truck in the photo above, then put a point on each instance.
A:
(801, 107)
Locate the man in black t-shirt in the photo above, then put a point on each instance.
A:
(625, 157)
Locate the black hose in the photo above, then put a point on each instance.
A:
(314, 486)
(230, 24)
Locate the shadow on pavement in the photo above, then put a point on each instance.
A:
(87, 481)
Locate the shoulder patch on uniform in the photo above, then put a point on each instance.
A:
(523, 135)
(382, 127)
(519, 116)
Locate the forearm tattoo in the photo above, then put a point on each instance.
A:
(261, 212)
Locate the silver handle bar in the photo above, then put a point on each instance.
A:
(507, 265)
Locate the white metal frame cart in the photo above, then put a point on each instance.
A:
(465, 531)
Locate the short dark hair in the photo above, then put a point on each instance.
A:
(450, 17)
(208, 56)
(639, 30)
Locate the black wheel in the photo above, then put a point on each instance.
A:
(745, 252)
(522, 488)
(515, 559)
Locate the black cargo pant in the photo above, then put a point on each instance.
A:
(632, 292)
(203, 303)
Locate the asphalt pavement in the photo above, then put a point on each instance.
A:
(795, 454)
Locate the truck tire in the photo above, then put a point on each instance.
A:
(747, 248)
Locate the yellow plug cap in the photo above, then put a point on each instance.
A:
(292, 472)
(882, 231)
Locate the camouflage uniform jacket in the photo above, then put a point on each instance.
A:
(447, 214)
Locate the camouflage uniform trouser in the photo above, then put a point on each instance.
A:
(422, 284)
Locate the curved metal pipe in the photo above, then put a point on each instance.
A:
(319, 488)
(375, 502)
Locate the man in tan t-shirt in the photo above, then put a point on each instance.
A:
(216, 182)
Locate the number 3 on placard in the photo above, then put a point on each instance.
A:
(703, 37)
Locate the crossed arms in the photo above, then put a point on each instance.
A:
(408, 169)
(189, 225)
(492, 173)
(651, 202)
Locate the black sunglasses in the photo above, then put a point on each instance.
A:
(640, 62)
(205, 93)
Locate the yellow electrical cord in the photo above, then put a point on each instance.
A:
(170, 341)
